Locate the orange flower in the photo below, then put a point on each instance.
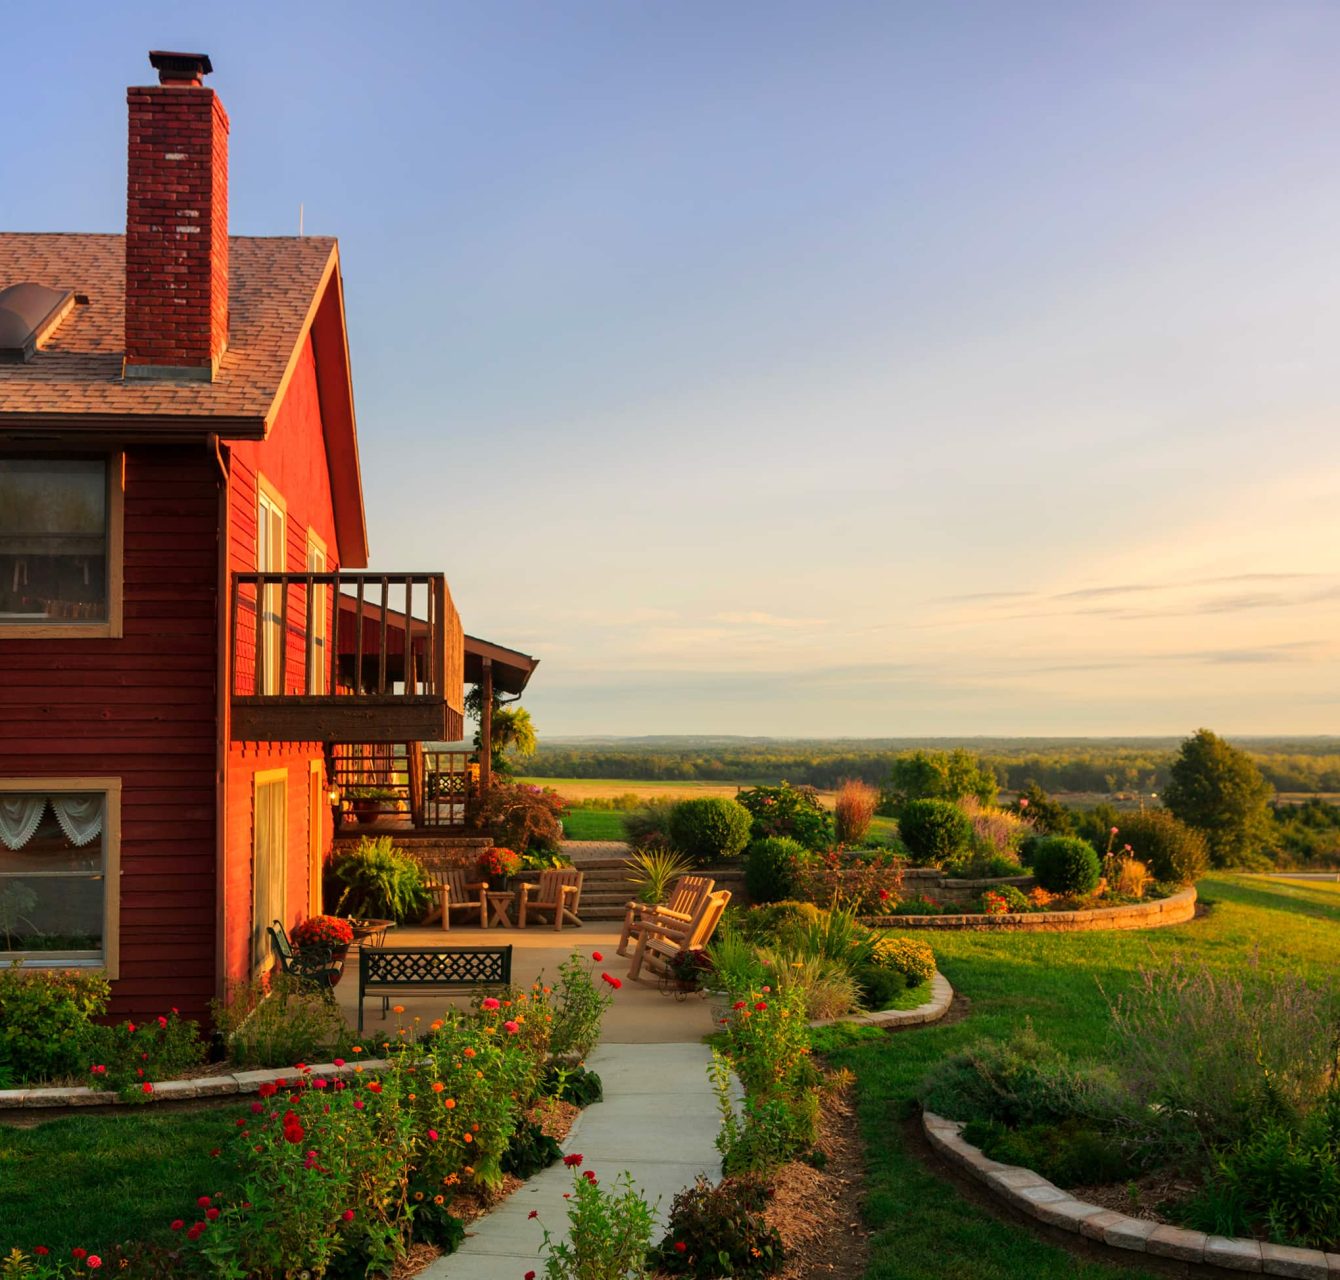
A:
(469, 1137)
(469, 1053)
(438, 1086)
(449, 1103)
(397, 1008)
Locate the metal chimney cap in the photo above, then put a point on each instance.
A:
(180, 68)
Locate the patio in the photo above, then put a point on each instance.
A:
(640, 1014)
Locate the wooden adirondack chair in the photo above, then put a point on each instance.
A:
(657, 941)
(559, 893)
(684, 899)
(456, 892)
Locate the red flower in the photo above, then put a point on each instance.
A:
(268, 1090)
(98, 1071)
(78, 1254)
(614, 982)
(884, 895)
(211, 1213)
(162, 1021)
(511, 1027)
(147, 1087)
(573, 1161)
(375, 1086)
(94, 1262)
(339, 1062)
(534, 1213)
(530, 1275)
(590, 1176)
(680, 1246)
(41, 1250)
(761, 1005)
(204, 1201)
(177, 1224)
(348, 1215)
(196, 1231)
(489, 1004)
(257, 1108)
(597, 957)
(739, 1004)
(432, 1135)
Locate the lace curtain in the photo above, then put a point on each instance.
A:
(79, 816)
(20, 816)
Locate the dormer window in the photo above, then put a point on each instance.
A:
(29, 313)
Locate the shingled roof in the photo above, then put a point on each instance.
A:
(74, 380)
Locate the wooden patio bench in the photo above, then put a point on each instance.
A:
(659, 941)
(387, 971)
(688, 892)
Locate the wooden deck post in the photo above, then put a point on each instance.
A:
(486, 729)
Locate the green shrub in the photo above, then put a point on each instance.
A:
(827, 986)
(1281, 1182)
(521, 816)
(1066, 864)
(934, 830)
(771, 921)
(793, 812)
(380, 882)
(529, 1150)
(45, 1021)
(291, 1024)
(975, 864)
(879, 987)
(1073, 1153)
(722, 1232)
(918, 906)
(734, 960)
(1170, 849)
(770, 868)
(572, 1084)
(649, 826)
(1012, 898)
(709, 829)
(910, 957)
(1018, 1082)
(654, 871)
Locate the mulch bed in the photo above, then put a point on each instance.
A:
(1149, 1196)
(816, 1211)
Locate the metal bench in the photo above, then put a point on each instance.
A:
(315, 967)
(386, 970)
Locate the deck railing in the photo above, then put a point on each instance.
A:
(352, 641)
(393, 786)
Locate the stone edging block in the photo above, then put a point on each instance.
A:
(169, 1090)
(1032, 1194)
(935, 1008)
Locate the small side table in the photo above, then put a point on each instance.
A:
(371, 932)
(498, 901)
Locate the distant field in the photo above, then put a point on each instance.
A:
(579, 789)
(593, 824)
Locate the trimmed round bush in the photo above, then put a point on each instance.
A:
(1066, 864)
(770, 868)
(710, 829)
(933, 830)
(879, 987)
(767, 923)
(1169, 848)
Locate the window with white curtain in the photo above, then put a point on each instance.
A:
(57, 852)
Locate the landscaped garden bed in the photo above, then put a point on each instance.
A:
(337, 1171)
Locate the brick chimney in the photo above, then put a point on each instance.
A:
(176, 224)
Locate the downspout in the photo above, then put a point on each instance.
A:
(223, 686)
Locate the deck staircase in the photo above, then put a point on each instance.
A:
(606, 888)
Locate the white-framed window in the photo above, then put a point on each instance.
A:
(269, 896)
(270, 558)
(60, 849)
(61, 545)
(316, 637)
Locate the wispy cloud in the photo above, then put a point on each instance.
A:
(755, 618)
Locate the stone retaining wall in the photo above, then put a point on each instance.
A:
(935, 1008)
(1193, 1252)
(1179, 907)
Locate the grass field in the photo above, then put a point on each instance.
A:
(593, 824)
(578, 789)
(923, 1229)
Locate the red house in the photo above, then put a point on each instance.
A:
(196, 672)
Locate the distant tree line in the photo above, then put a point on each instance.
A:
(1083, 766)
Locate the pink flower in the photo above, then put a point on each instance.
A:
(511, 1027)
(489, 1004)
(339, 1062)
(162, 1021)
(1023, 802)
(1114, 831)
(432, 1135)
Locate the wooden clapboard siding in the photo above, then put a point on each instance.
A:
(142, 708)
(293, 462)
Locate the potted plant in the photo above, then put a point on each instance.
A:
(367, 803)
(686, 971)
(497, 863)
(324, 938)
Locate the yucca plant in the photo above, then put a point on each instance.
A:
(835, 935)
(654, 871)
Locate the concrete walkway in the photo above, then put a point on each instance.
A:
(659, 1122)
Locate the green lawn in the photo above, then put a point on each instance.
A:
(594, 824)
(94, 1181)
(923, 1229)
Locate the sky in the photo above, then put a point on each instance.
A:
(808, 369)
